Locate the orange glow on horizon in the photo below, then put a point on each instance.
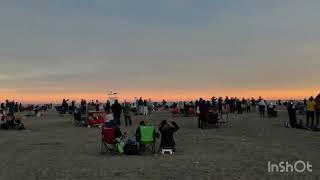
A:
(168, 95)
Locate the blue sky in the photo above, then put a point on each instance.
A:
(53, 46)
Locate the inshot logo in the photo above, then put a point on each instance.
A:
(286, 167)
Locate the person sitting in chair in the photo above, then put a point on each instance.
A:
(109, 122)
(138, 133)
(167, 140)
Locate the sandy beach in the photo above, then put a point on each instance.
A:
(52, 148)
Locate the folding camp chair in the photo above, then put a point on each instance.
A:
(108, 142)
(147, 138)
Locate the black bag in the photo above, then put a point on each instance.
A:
(131, 149)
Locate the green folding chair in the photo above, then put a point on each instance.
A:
(147, 137)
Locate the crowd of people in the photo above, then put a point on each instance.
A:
(116, 110)
(7, 118)
(312, 108)
(127, 109)
(11, 107)
(205, 109)
(166, 129)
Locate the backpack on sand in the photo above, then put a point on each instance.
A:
(131, 148)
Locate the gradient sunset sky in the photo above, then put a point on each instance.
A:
(172, 49)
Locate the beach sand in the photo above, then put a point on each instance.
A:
(52, 148)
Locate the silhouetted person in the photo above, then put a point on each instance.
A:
(116, 110)
(292, 115)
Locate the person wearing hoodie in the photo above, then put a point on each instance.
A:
(167, 130)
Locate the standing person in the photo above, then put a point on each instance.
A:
(198, 111)
(150, 106)
(73, 105)
(244, 104)
(196, 106)
(239, 106)
(220, 103)
(83, 106)
(292, 108)
(253, 104)
(145, 108)
(127, 114)
(213, 103)
(204, 113)
(231, 105)
(310, 111)
(97, 105)
(262, 107)
(16, 107)
(140, 106)
(7, 105)
(3, 107)
(116, 110)
(108, 106)
(11, 108)
(65, 106)
(227, 104)
(248, 104)
(317, 109)
(20, 107)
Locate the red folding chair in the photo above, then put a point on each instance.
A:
(108, 142)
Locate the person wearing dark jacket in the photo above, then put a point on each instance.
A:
(292, 115)
(167, 130)
(138, 133)
(116, 110)
(239, 106)
(204, 113)
(220, 104)
(108, 106)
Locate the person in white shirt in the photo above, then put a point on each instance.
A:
(262, 107)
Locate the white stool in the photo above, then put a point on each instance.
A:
(170, 151)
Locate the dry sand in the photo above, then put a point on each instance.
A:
(52, 148)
